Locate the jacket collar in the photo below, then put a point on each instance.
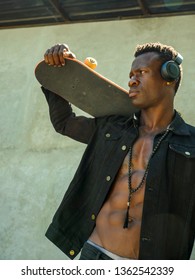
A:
(178, 125)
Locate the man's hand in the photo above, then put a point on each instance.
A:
(56, 54)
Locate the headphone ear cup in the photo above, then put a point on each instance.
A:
(170, 71)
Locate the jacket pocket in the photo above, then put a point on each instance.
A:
(186, 151)
(181, 164)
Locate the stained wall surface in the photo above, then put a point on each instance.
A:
(36, 163)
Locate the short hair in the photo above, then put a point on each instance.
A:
(165, 53)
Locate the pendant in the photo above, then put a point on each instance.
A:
(130, 220)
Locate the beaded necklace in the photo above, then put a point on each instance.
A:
(128, 219)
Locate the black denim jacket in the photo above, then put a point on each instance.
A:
(168, 221)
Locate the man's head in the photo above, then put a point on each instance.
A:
(166, 53)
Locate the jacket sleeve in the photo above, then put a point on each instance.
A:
(65, 121)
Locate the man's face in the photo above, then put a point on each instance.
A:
(147, 87)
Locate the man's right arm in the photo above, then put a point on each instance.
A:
(65, 121)
(61, 114)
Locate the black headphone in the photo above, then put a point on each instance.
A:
(170, 69)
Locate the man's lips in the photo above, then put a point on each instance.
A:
(133, 93)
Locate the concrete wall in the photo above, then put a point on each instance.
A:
(36, 163)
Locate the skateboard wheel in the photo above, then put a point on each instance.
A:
(91, 62)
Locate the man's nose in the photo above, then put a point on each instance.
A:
(133, 82)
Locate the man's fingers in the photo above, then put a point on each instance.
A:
(63, 49)
(56, 54)
(48, 56)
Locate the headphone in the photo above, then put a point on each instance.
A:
(170, 69)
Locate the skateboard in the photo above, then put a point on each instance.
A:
(85, 88)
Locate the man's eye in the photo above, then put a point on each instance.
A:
(142, 71)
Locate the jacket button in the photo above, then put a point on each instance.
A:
(93, 217)
(145, 239)
(108, 135)
(72, 252)
(108, 178)
(124, 147)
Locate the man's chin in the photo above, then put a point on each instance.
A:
(138, 105)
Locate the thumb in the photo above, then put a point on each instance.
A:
(68, 54)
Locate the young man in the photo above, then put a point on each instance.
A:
(133, 195)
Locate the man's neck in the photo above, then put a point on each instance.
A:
(155, 121)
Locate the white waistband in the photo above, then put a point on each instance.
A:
(108, 253)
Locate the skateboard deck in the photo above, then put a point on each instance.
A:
(85, 88)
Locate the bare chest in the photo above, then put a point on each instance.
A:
(141, 153)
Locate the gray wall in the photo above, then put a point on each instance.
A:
(37, 163)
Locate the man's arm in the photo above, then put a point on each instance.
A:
(61, 114)
(65, 121)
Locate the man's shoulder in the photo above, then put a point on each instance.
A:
(182, 127)
(191, 129)
(115, 120)
(116, 125)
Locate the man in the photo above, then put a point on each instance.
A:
(133, 195)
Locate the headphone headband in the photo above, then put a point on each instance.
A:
(178, 59)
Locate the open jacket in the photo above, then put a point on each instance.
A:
(168, 220)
